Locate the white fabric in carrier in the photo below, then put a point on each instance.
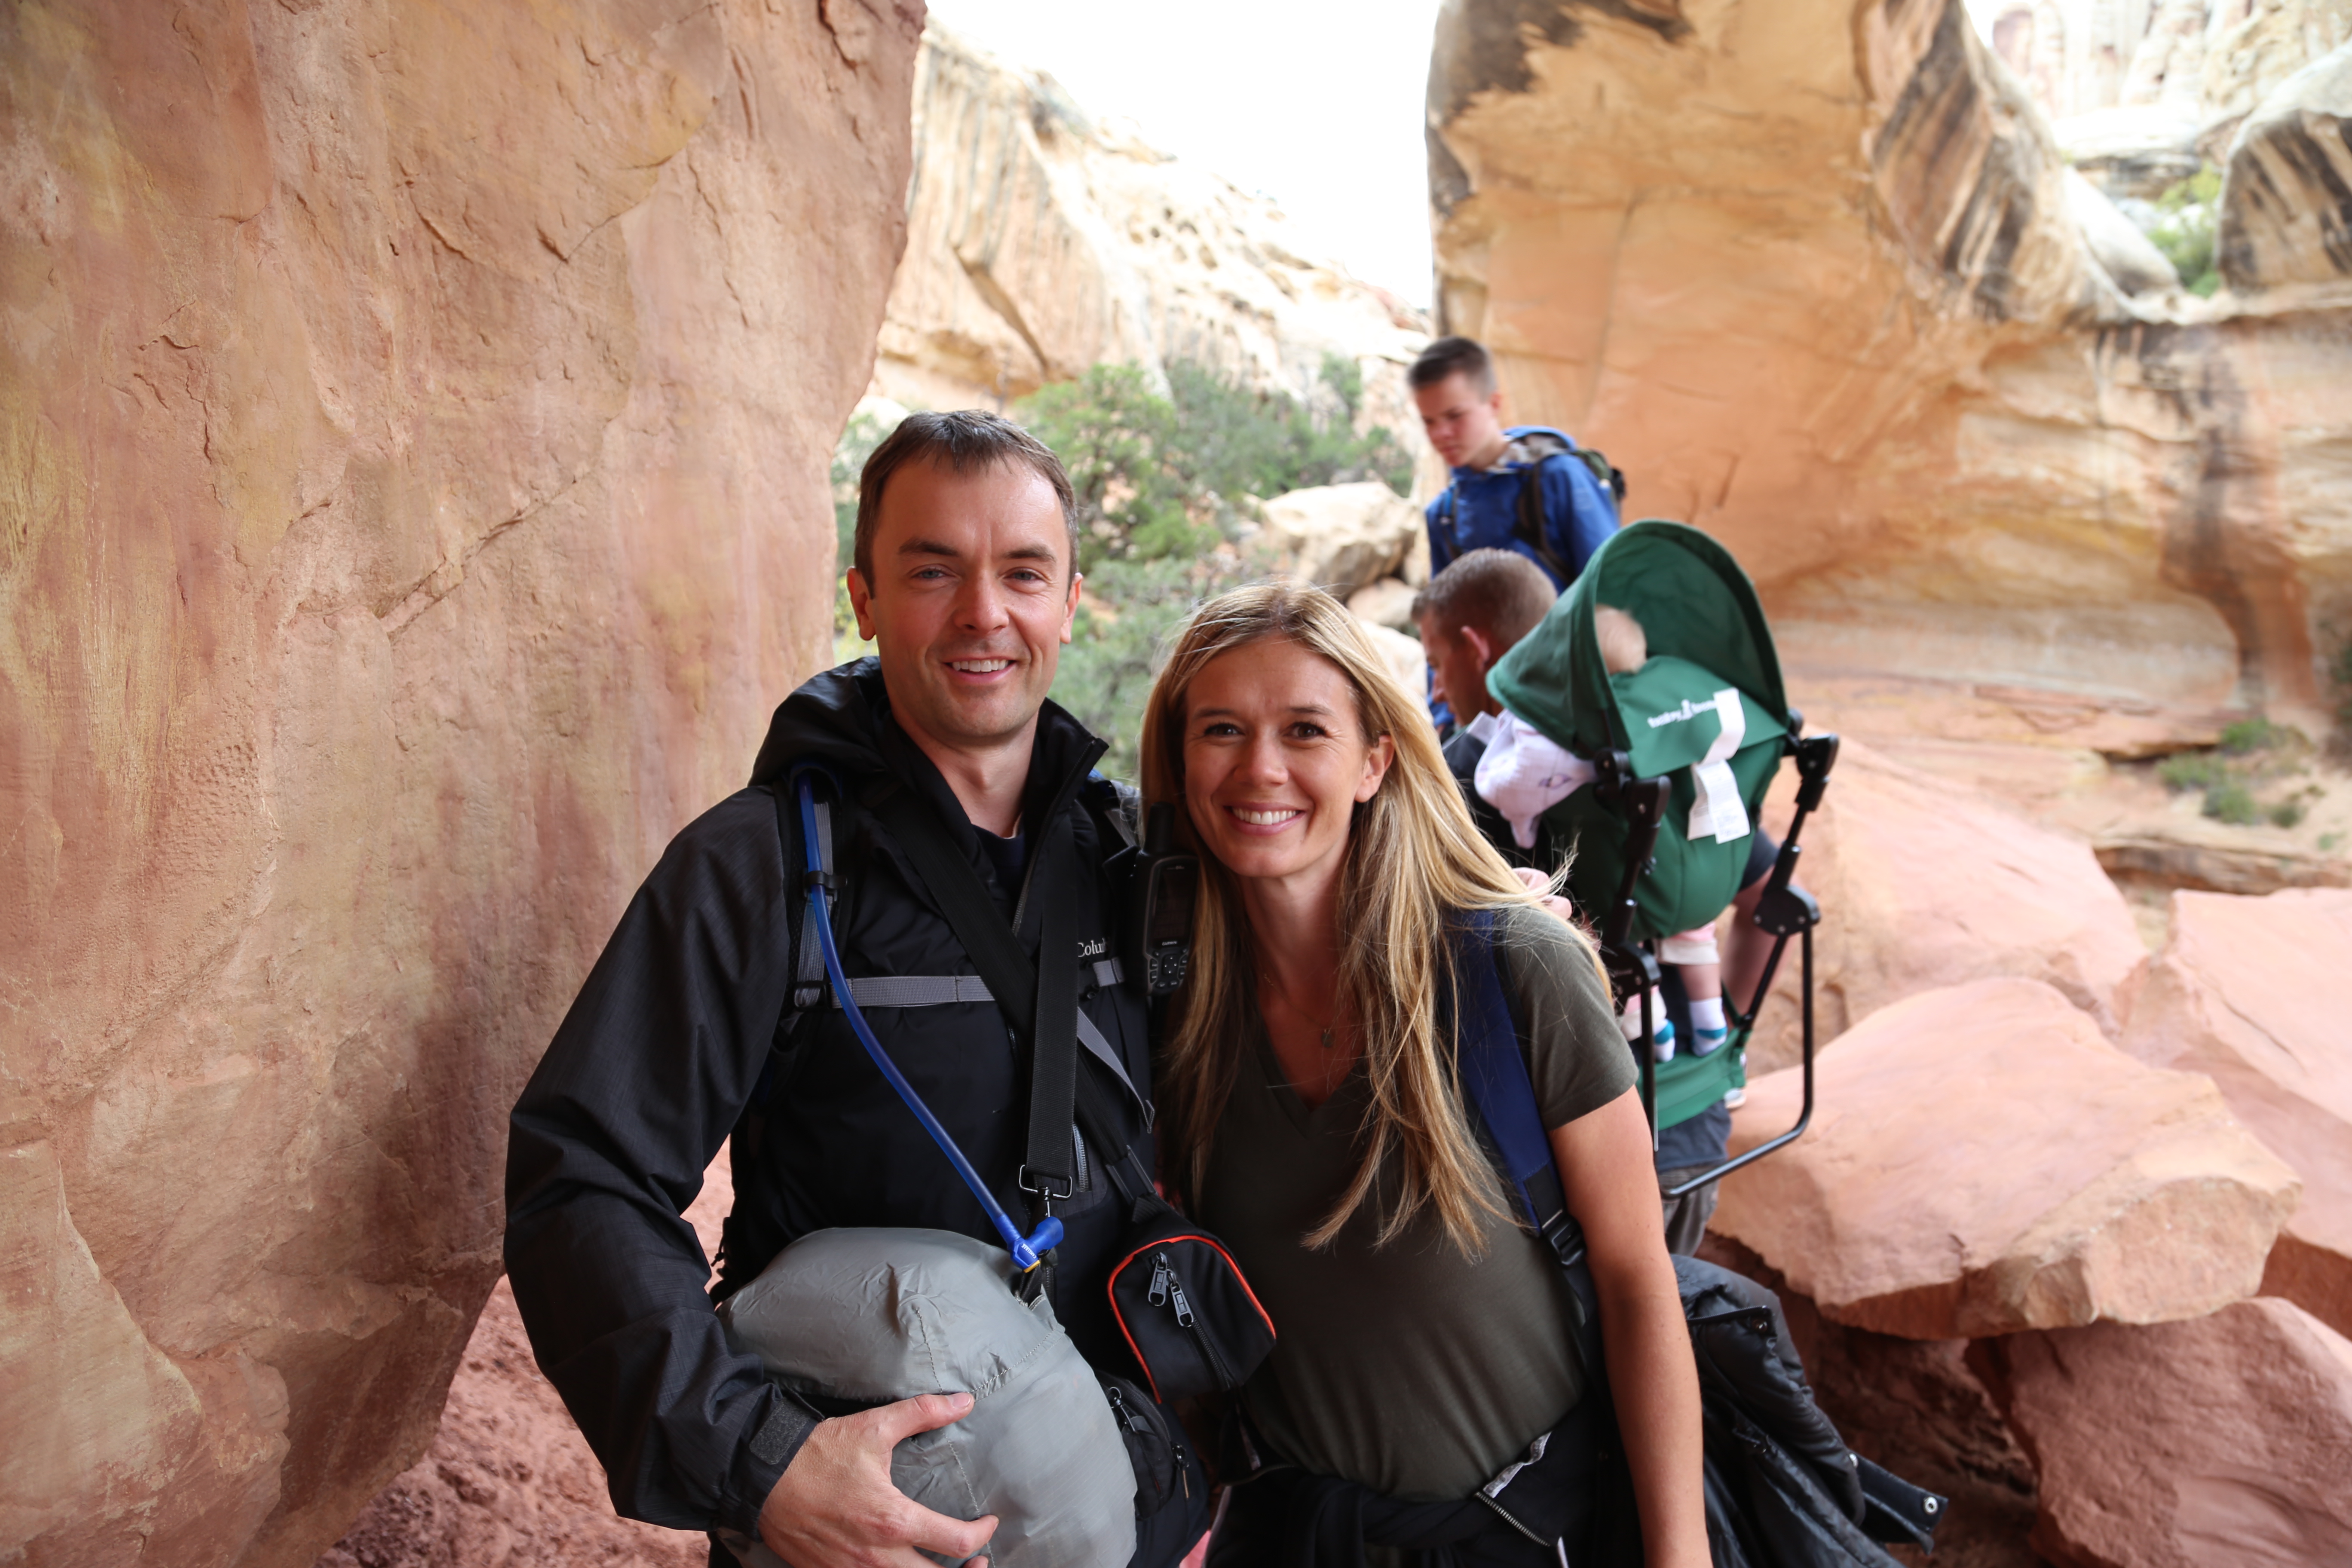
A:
(876, 1315)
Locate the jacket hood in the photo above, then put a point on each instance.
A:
(833, 717)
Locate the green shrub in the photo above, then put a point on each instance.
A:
(1159, 475)
(2232, 803)
(2248, 736)
(2287, 813)
(2187, 215)
(2185, 771)
(1125, 617)
(866, 431)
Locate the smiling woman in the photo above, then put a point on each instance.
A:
(1314, 1119)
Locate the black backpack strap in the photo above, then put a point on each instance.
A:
(1041, 1001)
(1529, 523)
(808, 966)
(1117, 809)
(808, 989)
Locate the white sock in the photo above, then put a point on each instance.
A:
(1707, 1014)
(1629, 1016)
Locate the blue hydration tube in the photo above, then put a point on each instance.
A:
(1027, 1250)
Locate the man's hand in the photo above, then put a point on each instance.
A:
(1535, 883)
(834, 1507)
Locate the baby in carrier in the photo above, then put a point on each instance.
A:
(1524, 774)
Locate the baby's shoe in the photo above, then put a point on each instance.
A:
(1735, 1099)
(1707, 1042)
(1661, 1044)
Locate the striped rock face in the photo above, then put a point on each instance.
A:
(1810, 274)
(2286, 202)
(416, 421)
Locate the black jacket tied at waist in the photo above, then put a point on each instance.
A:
(1569, 1494)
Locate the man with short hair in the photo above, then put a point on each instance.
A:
(1524, 487)
(702, 1024)
(1469, 615)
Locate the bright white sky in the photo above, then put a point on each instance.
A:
(1314, 103)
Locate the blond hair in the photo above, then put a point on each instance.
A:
(1415, 859)
(1624, 645)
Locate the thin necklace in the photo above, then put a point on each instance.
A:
(1325, 1028)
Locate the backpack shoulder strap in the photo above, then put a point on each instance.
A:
(1040, 1001)
(1494, 1083)
(1528, 524)
(808, 961)
(808, 991)
(1117, 809)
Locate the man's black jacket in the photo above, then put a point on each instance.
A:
(669, 1040)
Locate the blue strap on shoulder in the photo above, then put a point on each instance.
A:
(1494, 1083)
(1027, 1250)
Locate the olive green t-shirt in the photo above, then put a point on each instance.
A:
(1410, 1368)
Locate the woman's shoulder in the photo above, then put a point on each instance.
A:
(1559, 1001)
(1530, 941)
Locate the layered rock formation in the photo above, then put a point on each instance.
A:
(1041, 242)
(1809, 275)
(414, 420)
(1982, 1160)
(2196, 65)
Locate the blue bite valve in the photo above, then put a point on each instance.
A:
(1027, 1250)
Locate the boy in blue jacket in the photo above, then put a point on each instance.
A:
(1524, 488)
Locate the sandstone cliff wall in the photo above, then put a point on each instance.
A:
(1041, 242)
(1808, 275)
(413, 421)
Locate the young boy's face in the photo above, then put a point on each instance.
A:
(1457, 669)
(1464, 421)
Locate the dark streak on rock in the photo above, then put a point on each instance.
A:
(2258, 213)
(1482, 45)
(2210, 548)
(1918, 158)
(1449, 182)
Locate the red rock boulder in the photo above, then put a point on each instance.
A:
(1982, 1161)
(2222, 1442)
(2247, 992)
(1924, 883)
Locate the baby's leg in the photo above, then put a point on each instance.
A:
(1693, 952)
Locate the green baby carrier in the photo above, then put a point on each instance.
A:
(1686, 748)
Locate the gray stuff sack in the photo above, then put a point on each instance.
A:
(872, 1315)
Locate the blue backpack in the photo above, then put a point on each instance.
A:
(1527, 521)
